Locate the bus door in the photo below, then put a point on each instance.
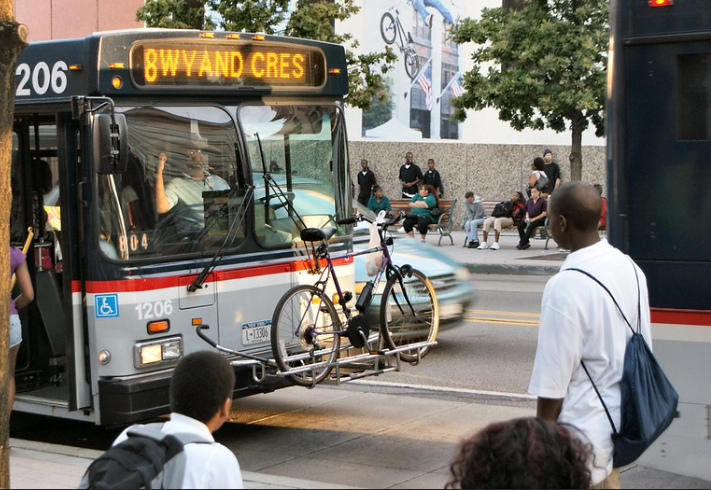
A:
(51, 371)
(667, 155)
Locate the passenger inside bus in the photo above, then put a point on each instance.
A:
(186, 189)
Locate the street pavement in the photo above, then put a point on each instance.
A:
(378, 440)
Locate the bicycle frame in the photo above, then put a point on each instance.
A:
(329, 273)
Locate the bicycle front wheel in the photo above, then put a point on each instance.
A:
(305, 331)
(409, 313)
(388, 28)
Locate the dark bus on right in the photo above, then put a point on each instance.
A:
(659, 199)
(659, 150)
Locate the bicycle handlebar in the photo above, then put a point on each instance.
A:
(360, 217)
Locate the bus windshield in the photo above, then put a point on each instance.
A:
(300, 144)
(185, 190)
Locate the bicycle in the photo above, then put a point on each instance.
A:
(392, 32)
(306, 328)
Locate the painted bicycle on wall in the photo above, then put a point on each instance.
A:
(393, 32)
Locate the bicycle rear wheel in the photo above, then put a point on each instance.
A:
(412, 63)
(409, 313)
(305, 331)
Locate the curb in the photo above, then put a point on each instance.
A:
(518, 269)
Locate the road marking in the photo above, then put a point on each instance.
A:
(439, 389)
(503, 317)
(509, 313)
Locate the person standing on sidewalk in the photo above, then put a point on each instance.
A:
(410, 176)
(580, 323)
(366, 182)
(433, 178)
(552, 171)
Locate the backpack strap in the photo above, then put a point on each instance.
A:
(639, 328)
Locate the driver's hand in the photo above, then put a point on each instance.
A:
(162, 158)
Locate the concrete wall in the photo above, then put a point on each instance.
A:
(493, 172)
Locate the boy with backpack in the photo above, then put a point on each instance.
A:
(181, 453)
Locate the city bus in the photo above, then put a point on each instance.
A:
(659, 196)
(160, 181)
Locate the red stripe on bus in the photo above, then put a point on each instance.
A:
(681, 317)
(139, 284)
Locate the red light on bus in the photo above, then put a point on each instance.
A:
(660, 3)
(158, 326)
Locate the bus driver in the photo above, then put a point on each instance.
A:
(187, 188)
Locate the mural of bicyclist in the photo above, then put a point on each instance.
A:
(427, 16)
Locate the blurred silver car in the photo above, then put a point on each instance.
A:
(451, 279)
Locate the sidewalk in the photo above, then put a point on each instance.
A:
(507, 260)
(41, 465)
(333, 437)
(371, 440)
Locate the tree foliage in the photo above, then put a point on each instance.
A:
(543, 65)
(380, 112)
(311, 19)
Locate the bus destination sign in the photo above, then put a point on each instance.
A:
(207, 63)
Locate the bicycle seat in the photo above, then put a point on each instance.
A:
(317, 234)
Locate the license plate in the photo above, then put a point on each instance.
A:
(449, 311)
(256, 332)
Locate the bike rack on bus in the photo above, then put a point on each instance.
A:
(259, 365)
(364, 364)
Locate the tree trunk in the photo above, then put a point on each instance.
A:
(576, 155)
(12, 40)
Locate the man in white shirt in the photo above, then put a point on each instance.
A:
(188, 188)
(580, 322)
(200, 402)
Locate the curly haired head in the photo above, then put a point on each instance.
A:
(522, 453)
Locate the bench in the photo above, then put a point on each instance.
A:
(444, 224)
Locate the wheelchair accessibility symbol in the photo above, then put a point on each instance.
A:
(106, 306)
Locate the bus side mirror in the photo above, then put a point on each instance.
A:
(110, 143)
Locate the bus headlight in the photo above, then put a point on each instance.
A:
(165, 350)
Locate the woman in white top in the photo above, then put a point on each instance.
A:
(537, 173)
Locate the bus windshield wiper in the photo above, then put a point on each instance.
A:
(280, 195)
(242, 214)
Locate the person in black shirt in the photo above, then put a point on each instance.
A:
(433, 178)
(410, 176)
(366, 182)
(552, 170)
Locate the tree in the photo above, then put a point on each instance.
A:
(311, 19)
(541, 65)
(380, 112)
(13, 38)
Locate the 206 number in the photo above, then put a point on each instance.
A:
(40, 78)
(157, 309)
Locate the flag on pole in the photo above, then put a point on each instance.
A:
(426, 86)
(457, 89)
